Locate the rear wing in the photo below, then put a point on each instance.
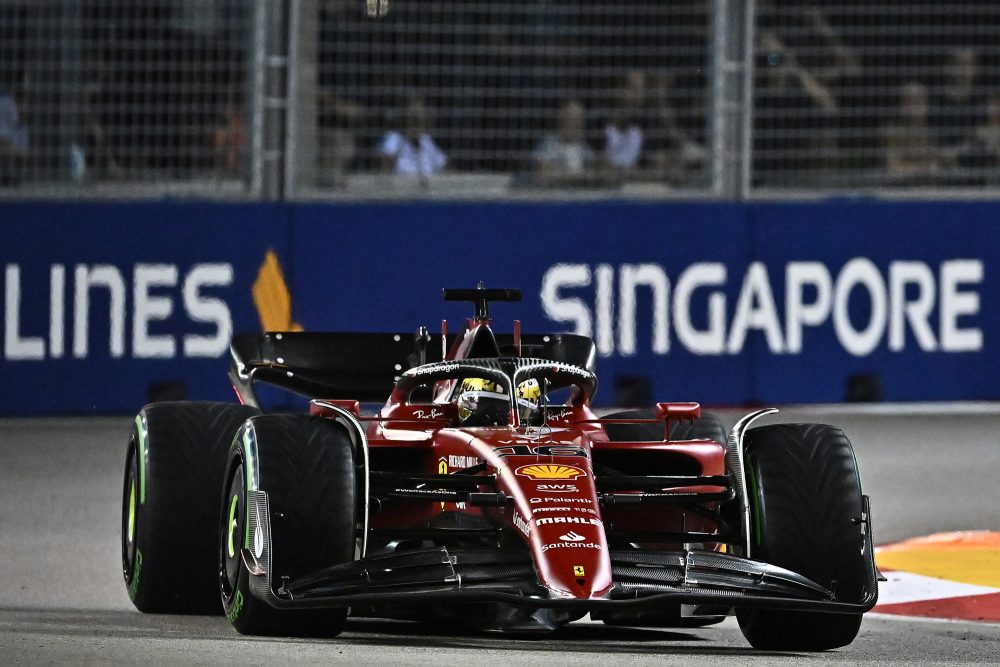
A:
(365, 366)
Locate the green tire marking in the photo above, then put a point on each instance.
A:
(248, 467)
(133, 588)
(237, 607)
(141, 453)
(131, 512)
(232, 526)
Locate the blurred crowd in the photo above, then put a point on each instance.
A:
(884, 93)
(556, 93)
(121, 90)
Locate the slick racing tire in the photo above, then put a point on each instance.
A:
(306, 467)
(706, 427)
(174, 466)
(805, 511)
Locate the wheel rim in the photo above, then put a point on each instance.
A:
(231, 529)
(130, 514)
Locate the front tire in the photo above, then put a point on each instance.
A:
(306, 467)
(174, 464)
(805, 507)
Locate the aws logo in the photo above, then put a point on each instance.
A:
(552, 471)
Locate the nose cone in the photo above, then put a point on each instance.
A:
(558, 508)
(571, 554)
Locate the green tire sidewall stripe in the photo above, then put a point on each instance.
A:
(140, 427)
(248, 479)
(131, 513)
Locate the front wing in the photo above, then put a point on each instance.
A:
(642, 579)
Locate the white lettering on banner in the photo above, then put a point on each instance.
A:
(917, 311)
(521, 524)
(147, 308)
(863, 273)
(604, 337)
(57, 304)
(210, 310)
(798, 313)
(109, 277)
(955, 304)
(711, 340)
(151, 303)
(755, 309)
(901, 301)
(630, 277)
(14, 345)
(569, 309)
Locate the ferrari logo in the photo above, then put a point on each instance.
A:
(551, 471)
(578, 571)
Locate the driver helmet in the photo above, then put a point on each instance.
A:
(529, 395)
(482, 403)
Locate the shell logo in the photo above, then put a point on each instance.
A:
(538, 471)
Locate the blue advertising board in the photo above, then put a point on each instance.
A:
(721, 303)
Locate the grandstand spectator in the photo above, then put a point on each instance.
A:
(984, 153)
(97, 144)
(343, 84)
(625, 131)
(228, 138)
(674, 153)
(913, 155)
(957, 107)
(563, 157)
(413, 151)
(795, 113)
(13, 139)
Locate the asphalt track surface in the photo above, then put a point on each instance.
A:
(62, 599)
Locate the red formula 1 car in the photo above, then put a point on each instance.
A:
(487, 492)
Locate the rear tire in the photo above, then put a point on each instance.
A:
(306, 466)
(805, 501)
(175, 462)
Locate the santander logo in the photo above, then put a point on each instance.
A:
(572, 537)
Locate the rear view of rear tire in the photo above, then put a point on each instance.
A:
(174, 466)
(306, 466)
(805, 506)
